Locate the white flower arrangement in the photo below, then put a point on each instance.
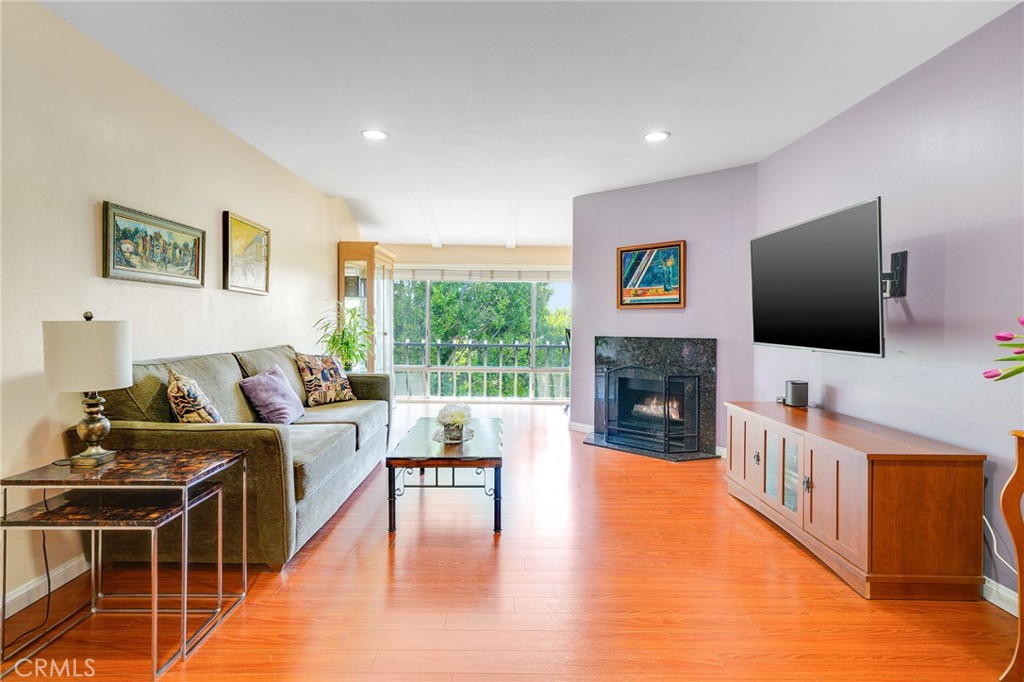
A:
(454, 414)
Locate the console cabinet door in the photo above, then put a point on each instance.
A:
(835, 500)
(753, 456)
(737, 449)
(746, 450)
(783, 470)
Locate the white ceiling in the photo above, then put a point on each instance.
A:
(500, 112)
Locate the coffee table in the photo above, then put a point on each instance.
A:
(418, 449)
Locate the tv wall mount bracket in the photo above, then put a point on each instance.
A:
(894, 283)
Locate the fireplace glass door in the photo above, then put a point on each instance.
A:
(651, 411)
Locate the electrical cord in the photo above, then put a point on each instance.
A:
(995, 545)
(49, 585)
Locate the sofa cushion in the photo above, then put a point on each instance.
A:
(324, 379)
(260, 360)
(188, 401)
(146, 399)
(368, 416)
(319, 450)
(273, 397)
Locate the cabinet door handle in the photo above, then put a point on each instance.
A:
(807, 484)
(757, 457)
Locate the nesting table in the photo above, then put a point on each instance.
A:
(419, 449)
(141, 490)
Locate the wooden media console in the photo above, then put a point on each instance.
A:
(895, 515)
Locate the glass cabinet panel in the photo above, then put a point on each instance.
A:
(354, 287)
(791, 473)
(772, 463)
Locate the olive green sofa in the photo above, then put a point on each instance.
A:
(298, 475)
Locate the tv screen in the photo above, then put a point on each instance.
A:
(817, 285)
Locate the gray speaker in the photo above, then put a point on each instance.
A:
(796, 393)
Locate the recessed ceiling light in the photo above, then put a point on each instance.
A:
(374, 134)
(657, 135)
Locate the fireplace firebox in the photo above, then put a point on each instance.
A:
(650, 410)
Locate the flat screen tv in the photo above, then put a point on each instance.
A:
(818, 285)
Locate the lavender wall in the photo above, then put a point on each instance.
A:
(715, 214)
(943, 147)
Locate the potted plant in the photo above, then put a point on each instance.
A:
(345, 334)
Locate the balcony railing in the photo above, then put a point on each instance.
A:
(482, 369)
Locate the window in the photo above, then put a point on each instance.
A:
(490, 339)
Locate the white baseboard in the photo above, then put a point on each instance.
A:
(579, 426)
(721, 451)
(1001, 596)
(35, 589)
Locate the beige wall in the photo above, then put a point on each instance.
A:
(81, 126)
(485, 257)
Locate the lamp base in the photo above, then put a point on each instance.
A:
(92, 458)
(92, 430)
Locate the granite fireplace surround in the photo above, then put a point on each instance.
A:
(668, 356)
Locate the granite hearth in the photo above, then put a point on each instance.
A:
(669, 358)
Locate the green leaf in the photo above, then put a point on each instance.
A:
(1011, 358)
(1011, 345)
(1012, 372)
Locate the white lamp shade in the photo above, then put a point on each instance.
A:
(82, 356)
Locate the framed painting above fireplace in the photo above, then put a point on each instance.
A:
(652, 275)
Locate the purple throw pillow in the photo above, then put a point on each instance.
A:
(273, 397)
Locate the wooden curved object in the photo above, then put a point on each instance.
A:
(1009, 502)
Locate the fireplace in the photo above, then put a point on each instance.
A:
(655, 396)
(647, 409)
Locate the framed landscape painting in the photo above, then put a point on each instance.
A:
(652, 275)
(246, 255)
(145, 248)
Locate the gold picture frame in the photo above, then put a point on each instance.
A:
(145, 248)
(652, 275)
(246, 255)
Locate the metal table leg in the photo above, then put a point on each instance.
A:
(391, 499)
(184, 573)
(497, 499)
(3, 589)
(154, 586)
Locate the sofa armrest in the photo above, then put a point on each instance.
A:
(271, 485)
(371, 386)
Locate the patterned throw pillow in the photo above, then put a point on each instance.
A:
(188, 402)
(324, 379)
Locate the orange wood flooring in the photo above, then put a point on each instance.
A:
(611, 566)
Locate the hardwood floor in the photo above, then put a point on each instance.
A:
(611, 566)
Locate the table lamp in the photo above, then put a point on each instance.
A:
(87, 357)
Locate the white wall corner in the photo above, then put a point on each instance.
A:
(35, 589)
(1001, 596)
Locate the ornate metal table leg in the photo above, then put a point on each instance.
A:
(497, 499)
(1009, 502)
(391, 499)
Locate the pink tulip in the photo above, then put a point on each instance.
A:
(1005, 336)
(1018, 351)
(1020, 320)
(991, 373)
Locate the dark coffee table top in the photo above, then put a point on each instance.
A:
(419, 449)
